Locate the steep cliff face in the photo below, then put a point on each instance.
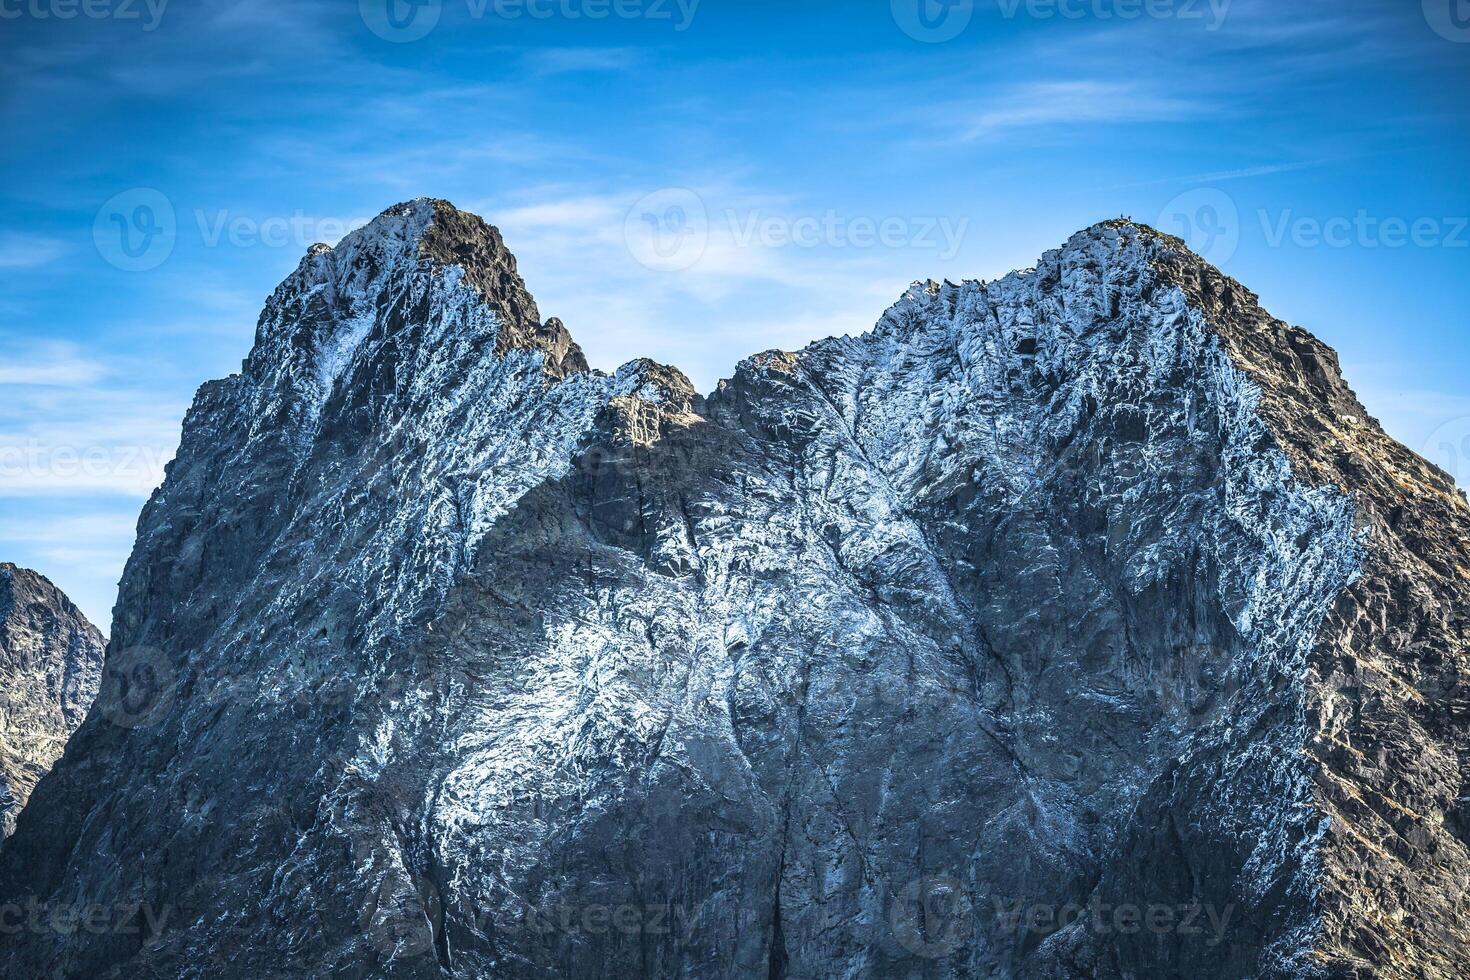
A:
(50, 663)
(1079, 624)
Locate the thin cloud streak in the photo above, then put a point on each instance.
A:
(50, 365)
(1046, 104)
(18, 251)
(1219, 176)
(559, 61)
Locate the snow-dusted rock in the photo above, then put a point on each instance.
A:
(1054, 628)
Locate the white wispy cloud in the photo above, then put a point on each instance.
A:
(50, 364)
(21, 251)
(1049, 103)
(588, 212)
(556, 61)
(738, 294)
(71, 425)
(1239, 173)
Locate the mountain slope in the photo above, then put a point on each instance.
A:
(50, 663)
(1079, 624)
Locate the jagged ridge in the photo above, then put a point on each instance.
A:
(1077, 587)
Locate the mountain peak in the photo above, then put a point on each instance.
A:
(455, 238)
(413, 259)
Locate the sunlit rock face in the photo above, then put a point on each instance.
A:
(1079, 624)
(50, 664)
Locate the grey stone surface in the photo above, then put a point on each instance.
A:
(1078, 624)
(50, 664)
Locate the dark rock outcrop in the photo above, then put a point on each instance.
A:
(50, 664)
(1079, 624)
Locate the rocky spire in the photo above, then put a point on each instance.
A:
(415, 261)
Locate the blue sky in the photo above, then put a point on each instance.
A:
(695, 181)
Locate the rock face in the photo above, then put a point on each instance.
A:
(1079, 624)
(50, 664)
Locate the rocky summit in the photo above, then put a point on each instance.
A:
(50, 665)
(1080, 624)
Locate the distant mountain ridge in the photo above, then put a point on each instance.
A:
(1080, 624)
(50, 667)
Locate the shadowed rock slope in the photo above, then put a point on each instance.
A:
(1078, 624)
